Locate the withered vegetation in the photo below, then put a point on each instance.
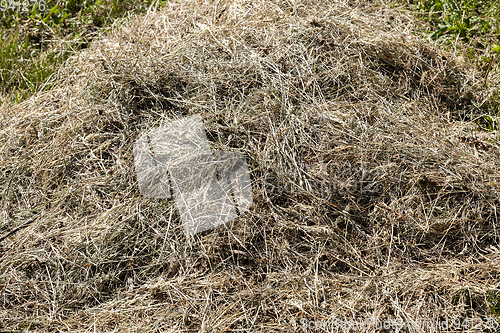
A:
(374, 194)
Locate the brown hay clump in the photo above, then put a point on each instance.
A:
(373, 196)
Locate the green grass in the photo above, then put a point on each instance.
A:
(30, 41)
(475, 23)
(494, 299)
(472, 27)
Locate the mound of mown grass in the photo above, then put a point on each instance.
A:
(374, 196)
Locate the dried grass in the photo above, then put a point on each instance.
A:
(373, 197)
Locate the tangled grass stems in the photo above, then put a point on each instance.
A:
(374, 196)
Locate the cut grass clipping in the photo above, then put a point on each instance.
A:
(373, 197)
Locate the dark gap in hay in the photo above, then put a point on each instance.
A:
(471, 302)
(113, 127)
(160, 93)
(237, 256)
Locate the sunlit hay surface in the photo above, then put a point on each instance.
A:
(373, 197)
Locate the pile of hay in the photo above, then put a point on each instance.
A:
(373, 196)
